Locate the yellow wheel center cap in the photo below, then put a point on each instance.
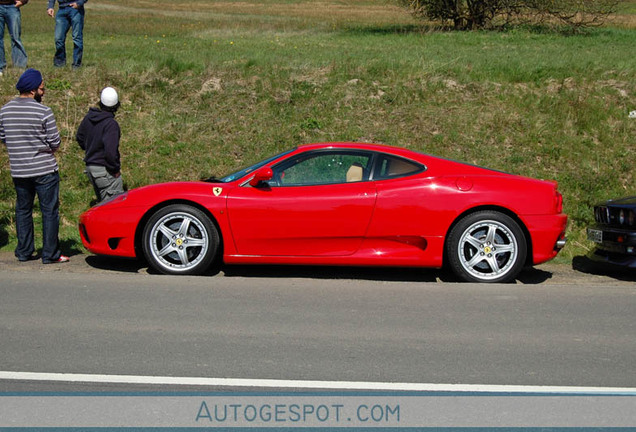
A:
(487, 249)
(179, 242)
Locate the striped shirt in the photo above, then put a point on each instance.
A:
(29, 131)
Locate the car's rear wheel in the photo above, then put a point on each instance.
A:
(486, 246)
(180, 239)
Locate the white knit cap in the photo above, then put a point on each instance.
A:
(109, 97)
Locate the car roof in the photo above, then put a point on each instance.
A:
(363, 146)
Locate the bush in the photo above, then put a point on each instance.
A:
(479, 14)
(574, 13)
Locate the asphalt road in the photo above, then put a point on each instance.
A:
(555, 327)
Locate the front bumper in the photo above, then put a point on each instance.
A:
(613, 246)
(109, 232)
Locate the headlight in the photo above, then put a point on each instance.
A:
(621, 217)
(598, 214)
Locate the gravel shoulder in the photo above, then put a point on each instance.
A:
(581, 272)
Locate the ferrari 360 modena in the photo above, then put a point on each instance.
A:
(343, 204)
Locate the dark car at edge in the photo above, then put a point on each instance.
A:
(614, 233)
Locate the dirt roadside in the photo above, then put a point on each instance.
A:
(581, 273)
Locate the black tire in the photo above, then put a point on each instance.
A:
(487, 246)
(180, 240)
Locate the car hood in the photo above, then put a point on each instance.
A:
(622, 202)
(152, 194)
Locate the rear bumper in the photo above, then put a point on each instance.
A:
(547, 234)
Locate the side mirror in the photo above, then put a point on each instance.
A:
(261, 175)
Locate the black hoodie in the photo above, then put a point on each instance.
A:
(98, 135)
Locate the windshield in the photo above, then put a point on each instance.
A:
(238, 174)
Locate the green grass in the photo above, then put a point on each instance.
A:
(224, 84)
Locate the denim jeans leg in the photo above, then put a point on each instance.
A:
(14, 24)
(62, 24)
(48, 190)
(3, 59)
(25, 194)
(77, 21)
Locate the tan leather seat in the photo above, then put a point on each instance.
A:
(355, 173)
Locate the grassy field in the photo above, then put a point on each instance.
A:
(209, 86)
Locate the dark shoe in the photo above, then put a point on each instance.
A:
(29, 258)
(61, 259)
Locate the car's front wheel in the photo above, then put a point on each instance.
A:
(486, 246)
(180, 239)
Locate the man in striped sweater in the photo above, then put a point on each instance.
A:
(29, 131)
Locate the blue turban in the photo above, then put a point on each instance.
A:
(30, 80)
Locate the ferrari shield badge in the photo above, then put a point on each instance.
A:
(217, 191)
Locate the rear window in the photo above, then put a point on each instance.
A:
(394, 167)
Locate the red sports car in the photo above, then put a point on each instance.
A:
(338, 204)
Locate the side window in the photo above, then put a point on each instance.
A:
(393, 167)
(321, 168)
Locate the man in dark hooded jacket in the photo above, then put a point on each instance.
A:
(98, 135)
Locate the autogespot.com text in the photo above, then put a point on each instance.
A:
(285, 411)
(277, 413)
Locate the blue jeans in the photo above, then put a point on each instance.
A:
(47, 188)
(66, 18)
(11, 17)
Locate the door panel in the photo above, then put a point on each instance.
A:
(320, 220)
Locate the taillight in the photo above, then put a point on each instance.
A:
(558, 201)
(558, 198)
